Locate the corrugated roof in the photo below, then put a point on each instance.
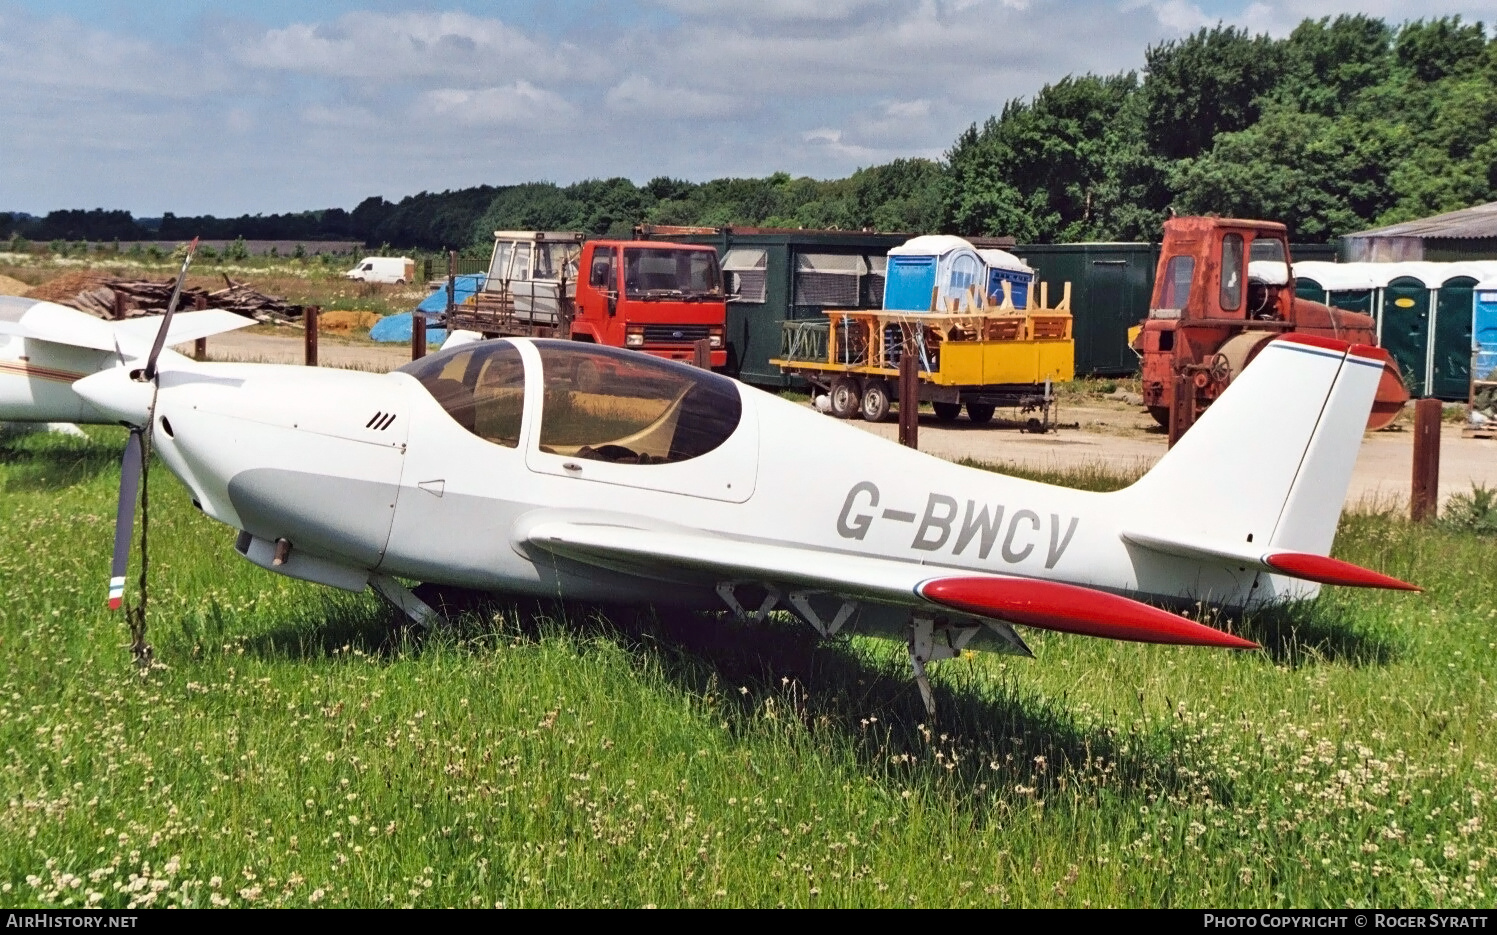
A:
(1480, 221)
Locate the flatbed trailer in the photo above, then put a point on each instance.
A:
(993, 356)
(493, 315)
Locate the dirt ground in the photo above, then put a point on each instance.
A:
(1109, 433)
(286, 347)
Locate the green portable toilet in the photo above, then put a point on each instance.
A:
(1348, 286)
(1404, 325)
(1450, 372)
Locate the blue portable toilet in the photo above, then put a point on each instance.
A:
(1484, 330)
(931, 271)
(1001, 267)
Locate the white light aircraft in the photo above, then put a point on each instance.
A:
(558, 469)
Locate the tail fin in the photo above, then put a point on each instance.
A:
(1260, 479)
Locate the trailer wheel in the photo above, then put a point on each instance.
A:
(947, 412)
(845, 397)
(981, 413)
(875, 405)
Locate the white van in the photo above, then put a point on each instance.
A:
(396, 269)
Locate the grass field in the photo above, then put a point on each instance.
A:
(287, 749)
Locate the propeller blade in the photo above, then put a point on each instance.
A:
(171, 306)
(124, 519)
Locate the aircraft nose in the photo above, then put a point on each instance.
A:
(116, 395)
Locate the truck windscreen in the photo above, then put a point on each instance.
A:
(662, 273)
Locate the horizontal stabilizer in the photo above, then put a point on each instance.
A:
(136, 334)
(1051, 605)
(1302, 565)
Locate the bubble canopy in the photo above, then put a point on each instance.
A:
(598, 403)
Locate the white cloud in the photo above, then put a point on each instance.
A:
(392, 47)
(783, 11)
(1177, 16)
(907, 110)
(63, 54)
(348, 117)
(639, 96)
(518, 103)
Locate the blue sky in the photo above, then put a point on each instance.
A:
(205, 106)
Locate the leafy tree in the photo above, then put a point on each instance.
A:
(1203, 85)
(1439, 48)
(1328, 62)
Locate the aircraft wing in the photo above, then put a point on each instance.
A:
(674, 554)
(58, 324)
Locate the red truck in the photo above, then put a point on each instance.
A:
(660, 298)
(1223, 289)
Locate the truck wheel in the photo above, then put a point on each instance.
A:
(947, 412)
(1161, 415)
(875, 405)
(981, 413)
(845, 397)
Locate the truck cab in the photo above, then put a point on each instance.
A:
(660, 298)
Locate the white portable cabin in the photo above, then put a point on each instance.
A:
(939, 271)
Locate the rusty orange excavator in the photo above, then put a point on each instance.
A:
(1224, 289)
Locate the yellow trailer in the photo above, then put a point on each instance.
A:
(993, 355)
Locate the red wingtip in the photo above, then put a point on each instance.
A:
(1328, 570)
(1069, 608)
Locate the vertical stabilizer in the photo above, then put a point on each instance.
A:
(1271, 460)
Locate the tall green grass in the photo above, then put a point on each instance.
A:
(293, 745)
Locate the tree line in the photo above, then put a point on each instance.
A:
(1347, 123)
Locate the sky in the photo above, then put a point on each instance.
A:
(216, 107)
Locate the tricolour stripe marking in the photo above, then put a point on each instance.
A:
(41, 373)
